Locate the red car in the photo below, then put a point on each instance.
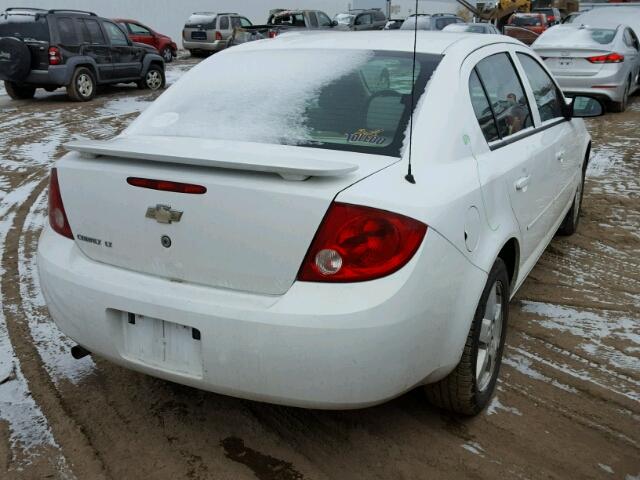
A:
(526, 27)
(142, 34)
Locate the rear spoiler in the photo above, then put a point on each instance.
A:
(291, 163)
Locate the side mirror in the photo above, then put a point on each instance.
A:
(583, 107)
(334, 23)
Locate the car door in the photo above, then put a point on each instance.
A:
(632, 54)
(363, 21)
(127, 58)
(224, 26)
(94, 45)
(512, 173)
(559, 146)
(141, 34)
(323, 20)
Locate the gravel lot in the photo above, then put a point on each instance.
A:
(568, 400)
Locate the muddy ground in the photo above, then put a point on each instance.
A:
(567, 405)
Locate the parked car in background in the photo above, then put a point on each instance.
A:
(436, 21)
(571, 18)
(283, 256)
(282, 21)
(206, 32)
(356, 20)
(142, 34)
(74, 49)
(613, 16)
(526, 27)
(554, 17)
(393, 24)
(487, 28)
(601, 62)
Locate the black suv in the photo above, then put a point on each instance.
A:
(73, 49)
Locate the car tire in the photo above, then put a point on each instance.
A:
(621, 106)
(17, 55)
(569, 225)
(469, 387)
(19, 92)
(83, 85)
(167, 54)
(154, 79)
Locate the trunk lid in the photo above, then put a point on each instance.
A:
(249, 232)
(571, 62)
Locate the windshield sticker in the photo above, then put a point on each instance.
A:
(366, 136)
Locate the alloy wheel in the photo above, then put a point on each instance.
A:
(85, 85)
(490, 336)
(167, 55)
(154, 79)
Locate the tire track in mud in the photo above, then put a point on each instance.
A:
(76, 446)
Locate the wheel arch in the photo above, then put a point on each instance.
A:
(510, 255)
(77, 62)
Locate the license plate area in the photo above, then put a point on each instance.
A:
(161, 344)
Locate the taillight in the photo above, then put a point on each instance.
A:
(218, 36)
(273, 34)
(57, 216)
(167, 186)
(55, 58)
(551, 18)
(608, 58)
(356, 243)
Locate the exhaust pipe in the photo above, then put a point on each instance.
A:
(79, 352)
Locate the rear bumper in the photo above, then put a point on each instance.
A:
(56, 75)
(318, 345)
(204, 46)
(605, 85)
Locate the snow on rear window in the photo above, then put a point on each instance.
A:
(336, 99)
(575, 37)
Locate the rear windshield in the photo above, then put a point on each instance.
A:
(344, 18)
(424, 23)
(344, 100)
(529, 21)
(204, 21)
(24, 26)
(574, 36)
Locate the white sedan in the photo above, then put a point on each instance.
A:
(274, 227)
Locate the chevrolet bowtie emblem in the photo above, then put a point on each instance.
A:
(163, 214)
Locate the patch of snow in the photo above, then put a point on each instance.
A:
(523, 365)
(496, 405)
(124, 106)
(473, 447)
(606, 468)
(52, 345)
(210, 105)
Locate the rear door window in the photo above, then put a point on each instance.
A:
(506, 94)
(67, 31)
(224, 23)
(364, 19)
(139, 29)
(95, 32)
(548, 98)
(313, 19)
(482, 109)
(117, 36)
(323, 20)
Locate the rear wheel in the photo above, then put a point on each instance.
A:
(468, 389)
(569, 225)
(19, 92)
(83, 85)
(154, 79)
(621, 106)
(167, 54)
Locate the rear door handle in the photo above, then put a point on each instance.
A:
(522, 183)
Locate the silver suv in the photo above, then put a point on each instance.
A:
(207, 32)
(436, 21)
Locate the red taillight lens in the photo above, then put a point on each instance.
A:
(356, 243)
(218, 36)
(550, 18)
(167, 186)
(54, 56)
(273, 34)
(57, 216)
(608, 58)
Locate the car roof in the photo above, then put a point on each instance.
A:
(427, 41)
